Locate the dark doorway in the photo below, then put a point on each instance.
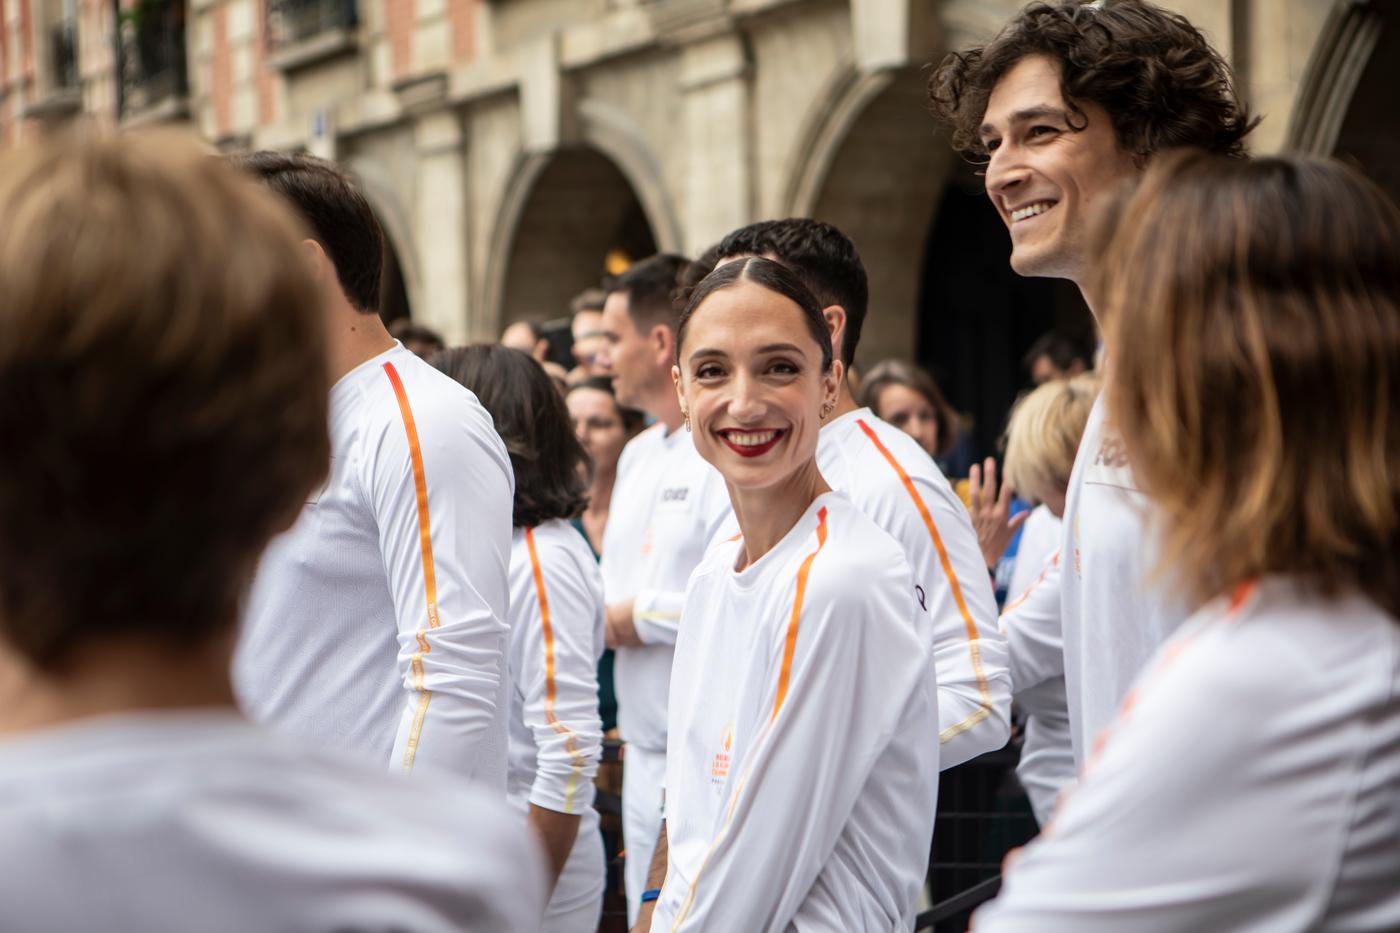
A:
(1370, 134)
(977, 318)
(393, 296)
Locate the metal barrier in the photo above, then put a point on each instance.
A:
(153, 67)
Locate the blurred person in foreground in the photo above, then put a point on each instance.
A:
(1042, 437)
(1250, 779)
(907, 397)
(1069, 101)
(377, 623)
(163, 411)
(801, 775)
(891, 478)
(556, 626)
(667, 505)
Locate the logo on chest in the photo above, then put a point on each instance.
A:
(719, 765)
(675, 494)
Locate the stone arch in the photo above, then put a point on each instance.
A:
(562, 214)
(873, 164)
(1346, 105)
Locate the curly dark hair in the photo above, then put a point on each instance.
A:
(1160, 81)
(551, 467)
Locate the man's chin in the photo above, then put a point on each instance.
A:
(1041, 263)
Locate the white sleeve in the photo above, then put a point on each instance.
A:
(559, 675)
(969, 653)
(1191, 815)
(656, 614)
(441, 490)
(854, 671)
(1031, 623)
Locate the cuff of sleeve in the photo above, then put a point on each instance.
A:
(654, 621)
(560, 800)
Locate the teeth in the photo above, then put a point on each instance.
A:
(752, 440)
(1031, 210)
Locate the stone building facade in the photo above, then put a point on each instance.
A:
(509, 146)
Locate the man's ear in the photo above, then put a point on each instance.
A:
(317, 259)
(836, 322)
(663, 340)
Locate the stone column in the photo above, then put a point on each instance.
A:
(718, 142)
(440, 225)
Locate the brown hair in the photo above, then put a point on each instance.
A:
(1043, 435)
(163, 389)
(1252, 316)
(899, 373)
(341, 220)
(1154, 73)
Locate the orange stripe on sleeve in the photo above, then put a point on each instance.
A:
(985, 698)
(425, 543)
(570, 741)
(1045, 572)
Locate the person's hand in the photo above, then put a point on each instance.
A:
(618, 630)
(989, 510)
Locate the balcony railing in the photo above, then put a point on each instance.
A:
(63, 43)
(153, 66)
(293, 21)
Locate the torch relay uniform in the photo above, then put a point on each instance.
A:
(1113, 617)
(1031, 624)
(667, 505)
(377, 623)
(1250, 783)
(890, 478)
(800, 779)
(556, 736)
(199, 820)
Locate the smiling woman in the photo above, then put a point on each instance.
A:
(803, 627)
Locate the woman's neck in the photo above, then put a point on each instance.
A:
(601, 496)
(767, 515)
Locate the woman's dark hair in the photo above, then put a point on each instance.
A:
(533, 421)
(771, 275)
(631, 419)
(1160, 81)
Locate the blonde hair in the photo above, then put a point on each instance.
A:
(163, 389)
(1043, 435)
(1252, 317)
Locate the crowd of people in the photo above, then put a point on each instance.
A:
(311, 623)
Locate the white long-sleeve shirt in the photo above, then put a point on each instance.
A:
(897, 485)
(556, 735)
(1040, 537)
(179, 821)
(1251, 783)
(667, 504)
(800, 779)
(1113, 618)
(378, 622)
(1031, 624)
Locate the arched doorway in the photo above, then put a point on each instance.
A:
(393, 293)
(580, 211)
(977, 318)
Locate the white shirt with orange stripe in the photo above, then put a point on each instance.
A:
(800, 784)
(377, 623)
(667, 504)
(1031, 624)
(1114, 616)
(198, 820)
(556, 735)
(897, 485)
(1249, 783)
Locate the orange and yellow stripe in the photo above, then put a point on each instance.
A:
(570, 739)
(425, 543)
(974, 649)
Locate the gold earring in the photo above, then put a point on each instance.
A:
(685, 415)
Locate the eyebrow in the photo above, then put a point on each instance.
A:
(1025, 116)
(766, 348)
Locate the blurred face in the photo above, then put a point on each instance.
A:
(598, 426)
(909, 411)
(518, 336)
(1043, 177)
(637, 360)
(750, 378)
(587, 328)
